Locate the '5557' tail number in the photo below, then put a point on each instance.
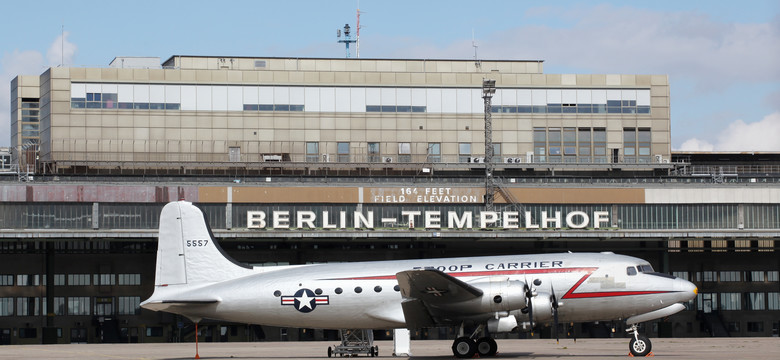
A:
(197, 243)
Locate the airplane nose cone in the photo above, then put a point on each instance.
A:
(687, 289)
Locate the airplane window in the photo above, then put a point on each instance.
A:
(338, 291)
(646, 268)
(631, 270)
(377, 288)
(358, 290)
(397, 288)
(277, 293)
(318, 291)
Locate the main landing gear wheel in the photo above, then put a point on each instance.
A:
(330, 351)
(640, 345)
(464, 347)
(486, 346)
(375, 351)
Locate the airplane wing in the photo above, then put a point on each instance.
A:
(427, 291)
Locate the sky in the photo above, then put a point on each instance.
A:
(722, 57)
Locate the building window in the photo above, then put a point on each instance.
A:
(78, 279)
(343, 151)
(60, 279)
(636, 145)
(629, 145)
(773, 301)
(312, 151)
(78, 305)
(464, 152)
(569, 145)
(6, 280)
(707, 302)
(129, 279)
(434, 152)
(29, 280)
(104, 306)
(730, 301)
(404, 152)
(373, 152)
(772, 276)
(396, 108)
(755, 326)
(540, 145)
(104, 279)
(6, 306)
(584, 145)
(27, 306)
(129, 305)
(59, 306)
(730, 276)
(600, 145)
(496, 152)
(154, 331)
(554, 149)
(757, 276)
(707, 276)
(755, 301)
(680, 274)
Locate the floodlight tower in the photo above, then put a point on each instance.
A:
(488, 89)
(347, 37)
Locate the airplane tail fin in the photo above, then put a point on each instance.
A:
(187, 252)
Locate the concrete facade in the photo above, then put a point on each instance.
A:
(203, 109)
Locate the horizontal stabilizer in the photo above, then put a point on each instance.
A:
(161, 305)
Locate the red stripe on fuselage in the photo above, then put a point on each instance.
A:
(484, 273)
(569, 294)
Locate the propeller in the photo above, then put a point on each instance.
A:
(555, 313)
(530, 310)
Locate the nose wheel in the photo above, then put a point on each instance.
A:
(639, 345)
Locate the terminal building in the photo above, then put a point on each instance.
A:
(389, 156)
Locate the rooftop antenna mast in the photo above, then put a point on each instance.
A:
(347, 37)
(477, 63)
(357, 37)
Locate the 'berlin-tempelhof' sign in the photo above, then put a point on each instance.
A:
(428, 219)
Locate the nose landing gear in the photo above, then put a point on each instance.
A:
(639, 345)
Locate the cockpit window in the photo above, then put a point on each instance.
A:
(646, 268)
(631, 270)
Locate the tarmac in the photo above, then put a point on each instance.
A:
(688, 348)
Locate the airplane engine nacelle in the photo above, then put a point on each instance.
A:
(543, 307)
(501, 296)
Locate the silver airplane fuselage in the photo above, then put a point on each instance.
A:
(588, 287)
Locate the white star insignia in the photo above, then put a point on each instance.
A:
(304, 301)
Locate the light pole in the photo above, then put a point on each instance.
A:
(488, 89)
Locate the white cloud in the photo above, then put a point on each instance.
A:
(695, 144)
(763, 135)
(609, 39)
(61, 51)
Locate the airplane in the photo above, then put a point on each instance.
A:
(197, 279)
